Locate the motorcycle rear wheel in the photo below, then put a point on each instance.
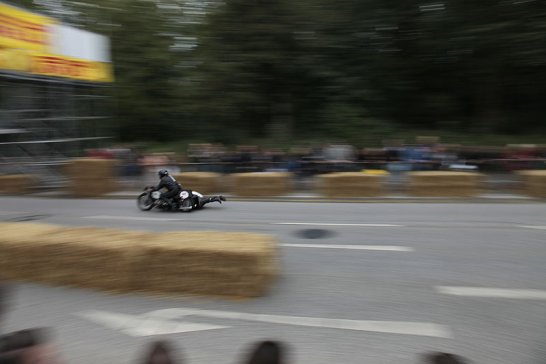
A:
(145, 202)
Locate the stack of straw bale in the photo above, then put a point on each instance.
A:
(350, 184)
(19, 250)
(204, 263)
(209, 263)
(84, 257)
(261, 184)
(445, 184)
(15, 183)
(92, 177)
(203, 182)
(534, 182)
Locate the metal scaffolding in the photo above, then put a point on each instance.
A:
(46, 121)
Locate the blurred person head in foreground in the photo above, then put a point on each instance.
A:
(160, 352)
(267, 352)
(444, 358)
(29, 346)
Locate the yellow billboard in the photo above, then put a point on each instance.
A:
(14, 60)
(26, 46)
(20, 29)
(45, 64)
(78, 69)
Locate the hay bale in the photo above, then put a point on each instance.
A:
(203, 182)
(375, 172)
(445, 191)
(83, 257)
(350, 184)
(17, 242)
(93, 257)
(92, 177)
(208, 263)
(534, 182)
(92, 187)
(445, 177)
(261, 184)
(91, 168)
(16, 183)
(445, 184)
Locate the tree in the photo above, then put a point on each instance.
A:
(239, 69)
(145, 89)
(254, 75)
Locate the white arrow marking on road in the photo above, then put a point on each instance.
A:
(335, 224)
(143, 326)
(522, 294)
(390, 248)
(538, 227)
(392, 327)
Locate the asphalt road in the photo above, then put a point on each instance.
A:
(377, 283)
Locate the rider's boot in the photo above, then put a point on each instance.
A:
(217, 199)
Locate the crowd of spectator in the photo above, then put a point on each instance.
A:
(33, 346)
(334, 157)
(423, 155)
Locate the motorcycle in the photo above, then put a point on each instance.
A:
(187, 200)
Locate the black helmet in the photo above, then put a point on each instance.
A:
(162, 173)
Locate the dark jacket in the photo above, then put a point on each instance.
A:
(169, 183)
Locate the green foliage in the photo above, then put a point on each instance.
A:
(354, 70)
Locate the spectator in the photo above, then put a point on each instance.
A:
(340, 152)
(160, 353)
(29, 346)
(444, 358)
(267, 352)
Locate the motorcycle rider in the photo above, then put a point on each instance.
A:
(173, 188)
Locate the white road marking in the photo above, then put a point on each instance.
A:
(538, 227)
(143, 326)
(334, 224)
(390, 248)
(138, 218)
(142, 218)
(522, 294)
(391, 327)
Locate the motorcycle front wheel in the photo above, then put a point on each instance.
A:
(145, 202)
